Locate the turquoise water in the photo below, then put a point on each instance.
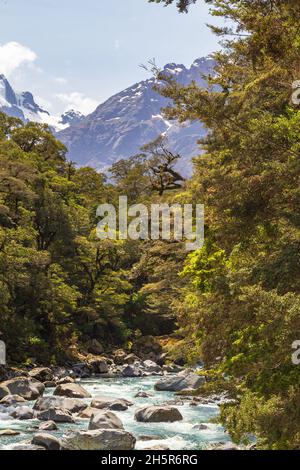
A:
(176, 436)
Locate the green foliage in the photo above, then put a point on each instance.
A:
(240, 307)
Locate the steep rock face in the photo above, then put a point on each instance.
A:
(23, 106)
(128, 120)
(20, 105)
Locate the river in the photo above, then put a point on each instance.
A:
(180, 435)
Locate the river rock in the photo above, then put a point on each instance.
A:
(118, 404)
(22, 413)
(149, 438)
(48, 426)
(65, 380)
(27, 447)
(50, 384)
(99, 366)
(105, 420)
(46, 440)
(42, 374)
(131, 359)
(119, 357)
(61, 372)
(71, 390)
(180, 382)
(27, 388)
(131, 371)
(73, 405)
(158, 414)
(151, 366)
(4, 391)
(88, 413)
(100, 439)
(82, 370)
(200, 427)
(9, 400)
(9, 432)
(142, 394)
(57, 415)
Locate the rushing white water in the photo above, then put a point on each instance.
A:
(176, 436)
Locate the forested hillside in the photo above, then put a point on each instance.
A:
(240, 307)
(61, 287)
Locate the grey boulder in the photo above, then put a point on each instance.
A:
(27, 388)
(48, 426)
(180, 382)
(57, 415)
(43, 374)
(105, 420)
(131, 371)
(47, 441)
(158, 414)
(100, 439)
(71, 390)
(73, 405)
(118, 404)
(9, 400)
(22, 413)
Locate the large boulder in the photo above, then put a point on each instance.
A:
(74, 405)
(131, 371)
(4, 391)
(131, 359)
(151, 366)
(71, 390)
(12, 400)
(48, 426)
(100, 439)
(28, 388)
(47, 441)
(65, 380)
(158, 414)
(115, 404)
(99, 366)
(22, 413)
(88, 413)
(56, 415)
(43, 374)
(119, 357)
(82, 370)
(105, 420)
(180, 382)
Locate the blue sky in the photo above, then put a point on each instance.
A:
(77, 53)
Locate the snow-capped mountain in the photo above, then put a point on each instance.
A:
(71, 117)
(132, 118)
(120, 126)
(23, 106)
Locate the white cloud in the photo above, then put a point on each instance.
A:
(13, 55)
(77, 101)
(117, 44)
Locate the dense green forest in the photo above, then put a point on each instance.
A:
(240, 305)
(61, 286)
(235, 304)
